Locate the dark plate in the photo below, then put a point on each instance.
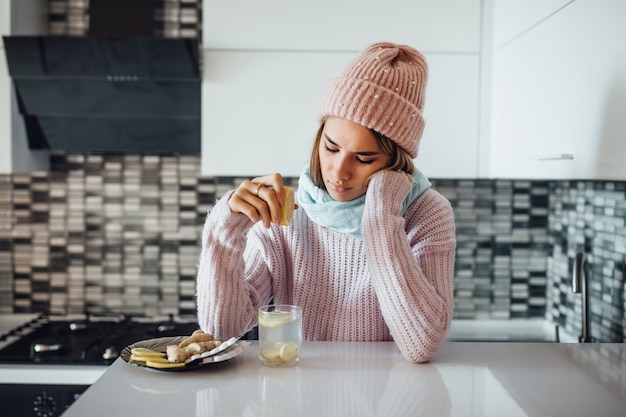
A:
(160, 345)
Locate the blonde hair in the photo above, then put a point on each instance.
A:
(399, 159)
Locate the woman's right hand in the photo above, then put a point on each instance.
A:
(260, 199)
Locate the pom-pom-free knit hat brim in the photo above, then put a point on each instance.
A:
(382, 89)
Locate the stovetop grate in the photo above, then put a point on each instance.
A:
(88, 341)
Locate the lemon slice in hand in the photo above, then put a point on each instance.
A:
(287, 209)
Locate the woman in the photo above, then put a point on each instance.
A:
(370, 252)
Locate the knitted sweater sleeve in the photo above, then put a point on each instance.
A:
(226, 300)
(411, 262)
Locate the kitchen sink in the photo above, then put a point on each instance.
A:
(516, 330)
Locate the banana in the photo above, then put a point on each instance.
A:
(146, 352)
(164, 365)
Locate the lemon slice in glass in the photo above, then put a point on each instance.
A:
(272, 355)
(289, 351)
(274, 319)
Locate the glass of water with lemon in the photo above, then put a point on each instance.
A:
(280, 334)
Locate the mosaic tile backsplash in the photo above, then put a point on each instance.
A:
(172, 18)
(120, 234)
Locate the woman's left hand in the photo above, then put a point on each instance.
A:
(408, 176)
(260, 199)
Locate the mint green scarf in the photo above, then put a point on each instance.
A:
(344, 216)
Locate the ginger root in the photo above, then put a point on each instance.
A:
(199, 342)
(197, 336)
(176, 354)
(200, 347)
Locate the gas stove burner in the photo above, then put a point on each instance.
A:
(47, 347)
(110, 353)
(163, 328)
(76, 327)
(89, 339)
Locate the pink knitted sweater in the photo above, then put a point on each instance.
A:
(395, 284)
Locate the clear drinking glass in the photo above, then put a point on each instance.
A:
(280, 334)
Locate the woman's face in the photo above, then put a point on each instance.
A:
(349, 154)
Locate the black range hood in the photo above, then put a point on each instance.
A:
(108, 95)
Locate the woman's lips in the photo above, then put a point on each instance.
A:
(338, 188)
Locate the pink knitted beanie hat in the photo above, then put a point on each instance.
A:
(382, 89)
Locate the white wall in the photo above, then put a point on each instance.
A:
(18, 17)
(5, 92)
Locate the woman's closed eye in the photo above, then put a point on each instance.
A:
(360, 159)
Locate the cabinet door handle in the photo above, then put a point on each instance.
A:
(556, 156)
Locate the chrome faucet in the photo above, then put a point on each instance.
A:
(580, 284)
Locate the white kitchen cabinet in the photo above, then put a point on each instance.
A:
(514, 17)
(258, 118)
(559, 96)
(347, 25)
(259, 109)
(450, 143)
(266, 66)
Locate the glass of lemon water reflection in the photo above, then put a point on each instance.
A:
(280, 334)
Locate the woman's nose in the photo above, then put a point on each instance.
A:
(342, 169)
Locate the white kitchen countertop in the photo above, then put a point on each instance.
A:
(361, 379)
(461, 330)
